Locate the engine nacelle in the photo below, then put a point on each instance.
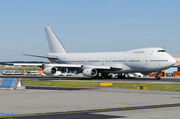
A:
(89, 72)
(49, 70)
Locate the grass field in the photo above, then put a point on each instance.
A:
(162, 87)
(20, 68)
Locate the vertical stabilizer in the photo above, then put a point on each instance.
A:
(55, 45)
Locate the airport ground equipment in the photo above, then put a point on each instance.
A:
(105, 84)
(142, 87)
(10, 83)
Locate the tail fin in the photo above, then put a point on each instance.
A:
(55, 45)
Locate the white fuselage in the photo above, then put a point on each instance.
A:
(103, 64)
(139, 60)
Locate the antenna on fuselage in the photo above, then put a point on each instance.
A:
(163, 46)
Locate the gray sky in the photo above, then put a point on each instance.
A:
(87, 26)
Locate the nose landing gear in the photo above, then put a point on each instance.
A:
(158, 76)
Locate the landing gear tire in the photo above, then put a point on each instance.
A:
(158, 77)
(93, 77)
(107, 77)
(120, 76)
(98, 76)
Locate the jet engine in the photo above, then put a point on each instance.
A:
(89, 72)
(49, 70)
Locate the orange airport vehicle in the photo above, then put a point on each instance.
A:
(177, 73)
(154, 74)
(40, 72)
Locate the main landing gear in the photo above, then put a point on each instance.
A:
(102, 76)
(109, 76)
(121, 76)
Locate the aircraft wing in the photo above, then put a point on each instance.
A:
(27, 64)
(118, 66)
(49, 65)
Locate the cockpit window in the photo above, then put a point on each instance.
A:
(161, 51)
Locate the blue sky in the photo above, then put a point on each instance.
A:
(87, 26)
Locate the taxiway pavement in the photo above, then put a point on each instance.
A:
(83, 103)
(94, 103)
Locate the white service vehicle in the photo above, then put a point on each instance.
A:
(32, 73)
(138, 75)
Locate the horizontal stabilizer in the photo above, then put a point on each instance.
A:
(41, 56)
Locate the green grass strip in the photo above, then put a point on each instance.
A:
(162, 87)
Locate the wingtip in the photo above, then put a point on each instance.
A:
(47, 27)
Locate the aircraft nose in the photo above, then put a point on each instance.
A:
(172, 61)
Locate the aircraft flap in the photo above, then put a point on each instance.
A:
(104, 67)
(119, 66)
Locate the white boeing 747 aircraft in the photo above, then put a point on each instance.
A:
(101, 64)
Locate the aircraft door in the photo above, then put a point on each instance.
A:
(126, 62)
(103, 62)
(152, 52)
(146, 62)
